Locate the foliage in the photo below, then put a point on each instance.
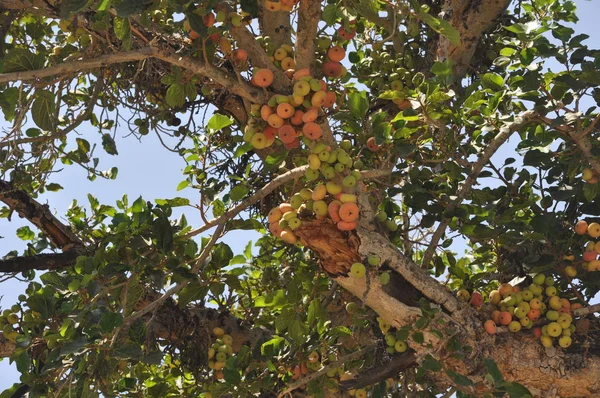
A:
(422, 144)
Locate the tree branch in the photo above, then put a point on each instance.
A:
(505, 132)
(371, 243)
(225, 80)
(309, 16)
(220, 77)
(77, 66)
(315, 375)
(41, 261)
(83, 116)
(275, 25)
(374, 375)
(40, 216)
(259, 57)
(587, 310)
(471, 19)
(258, 195)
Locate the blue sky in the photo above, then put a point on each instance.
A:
(147, 169)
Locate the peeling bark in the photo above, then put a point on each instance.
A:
(39, 215)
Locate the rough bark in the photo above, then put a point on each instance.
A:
(39, 215)
(520, 357)
(44, 261)
(472, 18)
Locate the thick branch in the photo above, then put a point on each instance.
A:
(39, 215)
(587, 310)
(275, 25)
(471, 19)
(505, 132)
(308, 21)
(372, 243)
(41, 261)
(259, 57)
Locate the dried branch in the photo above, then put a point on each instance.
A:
(505, 132)
(390, 255)
(309, 16)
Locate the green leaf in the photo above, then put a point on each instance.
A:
(22, 59)
(53, 187)
(218, 208)
(297, 330)
(135, 291)
(103, 6)
(459, 379)
(242, 149)
(175, 95)
(183, 184)
(330, 13)
(315, 312)
(43, 110)
(123, 31)
(110, 320)
(192, 292)
(24, 233)
(127, 8)
(493, 370)
(358, 104)
(431, 364)
(418, 337)
(493, 81)
(218, 121)
(238, 192)
(162, 231)
(8, 101)
(269, 348)
(250, 6)
(67, 7)
(590, 191)
(442, 27)
(442, 68)
(109, 144)
(273, 300)
(196, 23)
(175, 202)
(138, 205)
(284, 319)
(516, 390)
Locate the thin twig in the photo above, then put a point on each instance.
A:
(492, 147)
